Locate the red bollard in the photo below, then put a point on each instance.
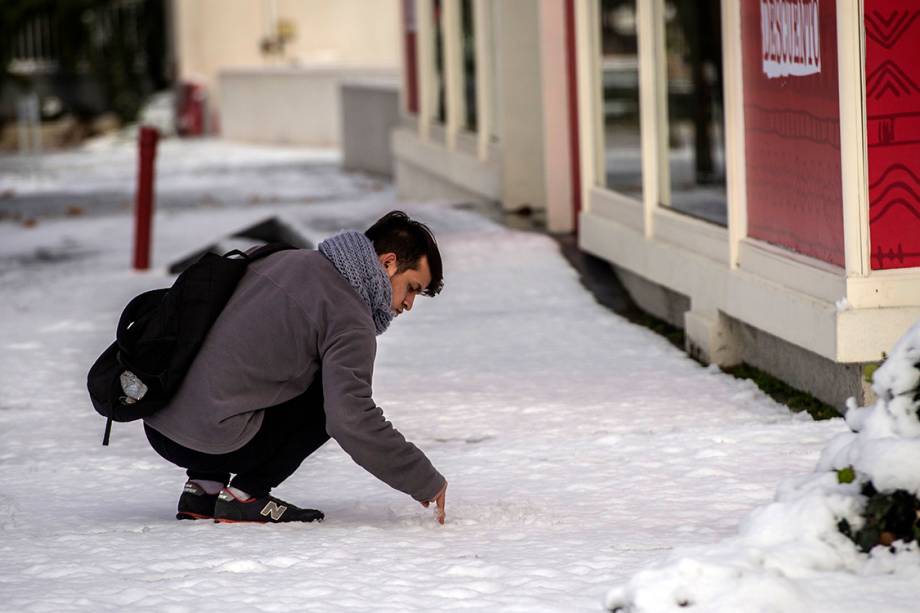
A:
(143, 211)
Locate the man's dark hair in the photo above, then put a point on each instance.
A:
(409, 240)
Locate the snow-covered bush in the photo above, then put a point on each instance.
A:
(882, 454)
(857, 513)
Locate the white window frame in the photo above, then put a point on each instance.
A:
(657, 219)
(482, 27)
(454, 100)
(795, 297)
(851, 59)
(452, 133)
(425, 69)
(741, 251)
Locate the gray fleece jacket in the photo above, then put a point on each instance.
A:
(293, 316)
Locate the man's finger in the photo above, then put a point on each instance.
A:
(441, 503)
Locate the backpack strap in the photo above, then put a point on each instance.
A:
(108, 431)
(261, 252)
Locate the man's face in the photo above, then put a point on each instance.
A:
(406, 284)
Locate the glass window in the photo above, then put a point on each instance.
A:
(469, 64)
(620, 94)
(696, 130)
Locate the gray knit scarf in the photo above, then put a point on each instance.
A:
(354, 257)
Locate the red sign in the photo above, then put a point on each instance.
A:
(893, 131)
(792, 125)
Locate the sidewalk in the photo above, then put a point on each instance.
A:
(578, 447)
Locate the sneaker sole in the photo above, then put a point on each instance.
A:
(263, 523)
(187, 515)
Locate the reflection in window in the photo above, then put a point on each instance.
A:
(620, 78)
(696, 141)
(439, 110)
(469, 64)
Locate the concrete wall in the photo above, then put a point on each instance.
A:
(370, 110)
(215, 35)
(287, 105)
(826, 380)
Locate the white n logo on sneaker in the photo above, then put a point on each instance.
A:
(273, 509)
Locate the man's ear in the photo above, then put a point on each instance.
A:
(388, 261)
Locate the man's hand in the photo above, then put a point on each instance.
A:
(439, 502)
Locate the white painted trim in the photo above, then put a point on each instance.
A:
(649, 126)
(735, 161)
(617, 207)
(586, 46)
(463, 170)
(885, 288)
(424, 47)
(453, 69)
(482, 28)
(845, 336)
(467, 142)
(437, 134)
(667, 265)
(590, 94)
(598, 155)
(798, 272)
(711, 285)
(700, 237)
(867, 335)
(659, 92)
(409, 121)
(853, 158)
(494, 68)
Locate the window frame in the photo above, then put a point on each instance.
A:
(653, 122)
(453, 132)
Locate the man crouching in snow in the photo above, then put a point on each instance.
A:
(287, 364)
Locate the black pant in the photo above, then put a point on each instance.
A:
(290, 432)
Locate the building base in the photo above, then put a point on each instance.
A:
(426, 169)
(370, 111)
(713, 337)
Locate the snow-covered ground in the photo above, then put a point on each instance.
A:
(579, 448)
(196, 173)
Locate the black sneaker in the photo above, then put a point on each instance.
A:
(267, 509)
(195, 503)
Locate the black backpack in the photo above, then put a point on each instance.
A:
(159, 335)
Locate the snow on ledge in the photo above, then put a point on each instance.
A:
(789, 556)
